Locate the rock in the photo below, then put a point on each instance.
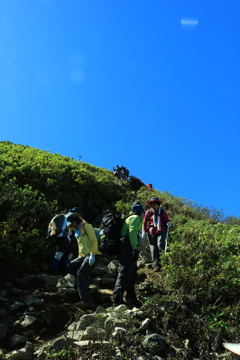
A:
(85, 321)
(155, 342)
(17, 305)
(31, 301)
(28, 320)
(113, 266)
(100, 310)
(67, 281)
(22, 354)
(18, 339)
(119, 333)
(3, 329)
(145, 324)
(100, 269)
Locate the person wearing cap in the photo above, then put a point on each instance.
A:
(88, 256)
(128, 255)
(155, 223)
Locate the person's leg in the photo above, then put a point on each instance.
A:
(124, 274)
(161, 241)
(62, 246)
(161, 245)
(82, 274)
(154, 250)
(131, 294)
(74, 265)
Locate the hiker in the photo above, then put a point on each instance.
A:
(74, 244)
(88, 256)
(124, 173)
(64, 253)
(149, 186)
(116, 171)
(141, 239)
(128, 255)
(155, 223)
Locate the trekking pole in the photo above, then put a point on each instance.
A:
(166, 240)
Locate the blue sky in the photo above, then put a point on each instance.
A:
(150, 85)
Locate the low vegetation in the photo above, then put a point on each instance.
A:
(200, 272)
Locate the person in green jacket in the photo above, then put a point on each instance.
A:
(128, 255)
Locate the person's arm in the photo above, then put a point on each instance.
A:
(145, 222)
(92, 237)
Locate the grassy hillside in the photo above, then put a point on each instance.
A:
(201, 270)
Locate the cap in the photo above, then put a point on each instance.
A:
(76, 208)
(71, 218)
(137, 208)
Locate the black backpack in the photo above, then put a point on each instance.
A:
(55, 226)
(111, 233)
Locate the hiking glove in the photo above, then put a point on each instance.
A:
(169, 224)
(134, 256)
(91, 259)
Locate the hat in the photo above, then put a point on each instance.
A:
(78, 209)
(137, 208)
(71, 218)
(154, 199)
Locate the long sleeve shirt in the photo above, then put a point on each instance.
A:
(87, 240)
(149, 225)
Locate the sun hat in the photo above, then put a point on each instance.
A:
(71, 218)
(137, 208)
(154, 199)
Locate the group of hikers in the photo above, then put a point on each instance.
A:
(135, 229)
(121, 172)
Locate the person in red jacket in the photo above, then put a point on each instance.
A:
(155, 223)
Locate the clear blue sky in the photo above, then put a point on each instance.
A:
(152, 85)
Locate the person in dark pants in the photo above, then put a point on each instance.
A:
(88, 256)
(155, 223)
(128, 255)
(63, 254)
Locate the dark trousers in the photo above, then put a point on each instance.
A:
(61, 258)
(63, 245)
(157, 245)
(80, 268)
(127, 275)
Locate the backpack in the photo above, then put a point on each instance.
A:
(55, 226)
(111, 233)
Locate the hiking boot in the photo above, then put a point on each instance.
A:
(156, 269)
(85, 304)
(134, 303)
(117, 303)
